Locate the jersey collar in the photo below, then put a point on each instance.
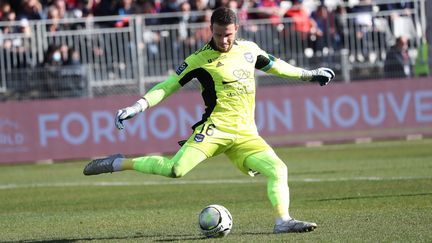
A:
(213, 46)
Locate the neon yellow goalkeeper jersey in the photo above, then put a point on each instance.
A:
(227, 84)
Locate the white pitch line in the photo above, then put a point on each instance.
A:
(195, 182)
(126, 183)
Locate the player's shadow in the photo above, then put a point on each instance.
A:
(138, 236)
(146, 238)
(181, 238)
(169, 238)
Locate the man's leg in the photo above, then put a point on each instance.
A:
(269, 164)
(182, 162)
(272, 167)
(193, 152)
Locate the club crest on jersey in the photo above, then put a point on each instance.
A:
(181, 68)
(199, 137)
(249, 57)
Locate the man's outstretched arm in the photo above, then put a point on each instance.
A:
(280, 68)
(153, 97)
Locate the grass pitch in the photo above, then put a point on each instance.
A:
(376, 192)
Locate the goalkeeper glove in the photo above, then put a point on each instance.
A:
(321, 75)
(129, 112)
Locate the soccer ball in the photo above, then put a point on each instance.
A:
(215, 221)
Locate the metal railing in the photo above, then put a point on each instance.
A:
(131, 58)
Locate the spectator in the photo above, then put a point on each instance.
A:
(18, 46)
(184, 30)
(303, 28)
(52, 56)
(73, 4)
(124, 8)
(402, 18)
(72, 74)
(5, 9)
(61, 6)
(31, 10)
(151, 38)
(303, 23)
(84, 8)
(203, 35)
(421, 66)
(101, 7)
(198, 5)
(14, 44)
(321, 18)
(170, 6)
(73, 57)
(363, 28)
(53, 14)
(221, 3)
(265, 10)
(233, 4)
(62, 74)
(44, 83)
(65, 53)
(269, 9)
(149, 8)
(401, 5)
(340, 27)
(8, 15)
(398, 63)
(185, 41)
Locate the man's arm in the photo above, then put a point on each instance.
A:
(153, 97)
(161, 91)
(278, 67)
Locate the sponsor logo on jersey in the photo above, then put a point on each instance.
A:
(212, 59)
(249, 57)
(181, 68)
(216, 58)
(241, 74)
(199, 137)
(219, 64)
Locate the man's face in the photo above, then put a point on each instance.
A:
(403, 43)
(224, 36)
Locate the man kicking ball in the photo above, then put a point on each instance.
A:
(225, 68)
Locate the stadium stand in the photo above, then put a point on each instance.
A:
(69, 48)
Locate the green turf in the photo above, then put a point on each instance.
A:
(377, 192)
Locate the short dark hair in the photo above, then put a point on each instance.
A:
(223, 16)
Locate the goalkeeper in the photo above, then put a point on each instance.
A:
(225, 69)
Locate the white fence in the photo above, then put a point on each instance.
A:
(98, 58)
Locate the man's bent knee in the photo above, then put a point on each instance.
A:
(177, 172)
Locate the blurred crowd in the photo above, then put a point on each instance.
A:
(317, 25)
(313, 20)
(50, 9)
(309, 15)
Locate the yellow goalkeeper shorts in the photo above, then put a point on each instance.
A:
(211, 141)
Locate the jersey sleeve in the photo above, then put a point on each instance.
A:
(173, 83)
(162, 90)
(270, 64)
(264, 60)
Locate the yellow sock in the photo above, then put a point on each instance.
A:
(127, 164)
(282, 212)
